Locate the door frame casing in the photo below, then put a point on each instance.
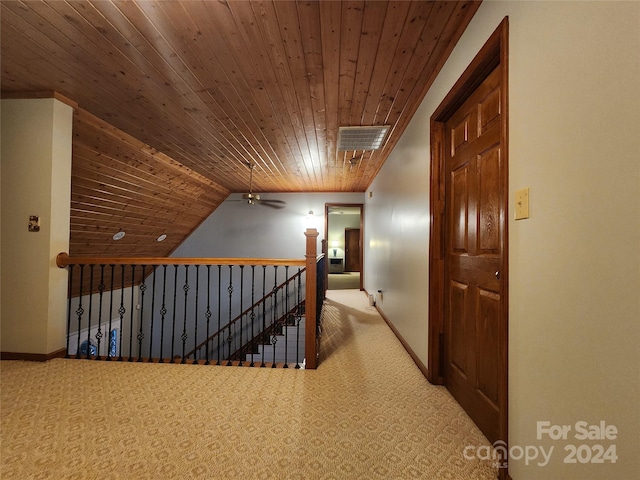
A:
(493, 53)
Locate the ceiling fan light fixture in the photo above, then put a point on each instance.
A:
(251, 198)
(362, 138)
(254, 198)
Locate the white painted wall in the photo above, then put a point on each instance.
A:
(36, 180)
(237, 229)
(574, 138)
(96, 310)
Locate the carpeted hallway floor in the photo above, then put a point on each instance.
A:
(366, 413)
(344, 281)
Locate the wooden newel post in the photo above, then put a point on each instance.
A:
(310, 343)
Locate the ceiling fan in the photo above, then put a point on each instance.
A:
(254, 198)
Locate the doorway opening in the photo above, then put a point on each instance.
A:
(344, 237)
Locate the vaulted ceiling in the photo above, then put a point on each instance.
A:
(175, 98)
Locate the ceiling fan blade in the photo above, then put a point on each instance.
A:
(273, 203)
(253, 198)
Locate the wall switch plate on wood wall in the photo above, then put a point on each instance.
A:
(522, 204)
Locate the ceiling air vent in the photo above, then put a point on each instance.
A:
(361, 138)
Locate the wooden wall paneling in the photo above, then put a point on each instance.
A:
(43, 52)
(290, 32)
(261, 74)
(330, 15)
(174, 87)
(93, 130)
(142, 173)
(99, 35)
(124, 210)
(404, 57)
(351, 28)
(91, 126)
(126, 201)
(188, 92)
(119, 183)
(372, 21)
(222, 94)
(263, 86)
(268, 25)
(393, 23)
(429, 20)
(149, 51)
(114, 89)
(451, 28)
(311, 36)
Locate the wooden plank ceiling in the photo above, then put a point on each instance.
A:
(176, 98)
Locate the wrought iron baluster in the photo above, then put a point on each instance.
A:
(143, 289)
(90, 301)
(219, 309)
(298, 316)
(274, 293)
(99, 334)
(109, 348)
(230, 290)
(173, 325)
(319, 294)
(208, 312)
(285, 292)
(80, 310)
(263, 335)
(195, 328)
(163, 311)
(131, 313)
(252, 316)
(153, 310)
(121, 312)
(241, 310)
(184, 325)
(69, 287)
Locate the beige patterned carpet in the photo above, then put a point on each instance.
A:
(366, 413)
(343, 281)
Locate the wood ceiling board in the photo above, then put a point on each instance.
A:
(118, 183)
(190, 93)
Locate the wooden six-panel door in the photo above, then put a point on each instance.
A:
(474, 239)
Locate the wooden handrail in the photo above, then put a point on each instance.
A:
(63, 260)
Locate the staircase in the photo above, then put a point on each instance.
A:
(282, 347)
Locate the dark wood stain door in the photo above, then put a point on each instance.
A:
(352, 249)
(474, 239)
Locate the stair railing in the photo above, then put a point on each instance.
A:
(267, 302)
(154, 307)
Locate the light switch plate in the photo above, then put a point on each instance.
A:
(522, 204)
